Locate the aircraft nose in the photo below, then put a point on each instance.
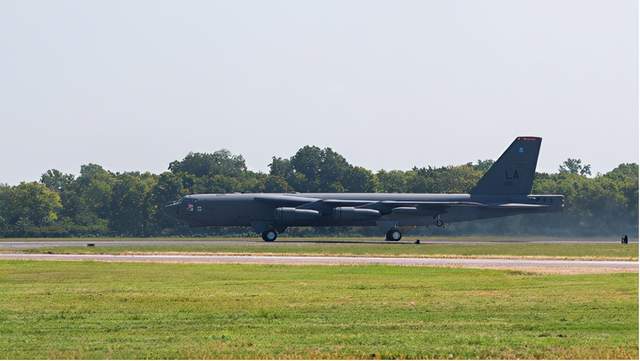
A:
(172, 208)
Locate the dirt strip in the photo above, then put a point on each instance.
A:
(527, 265)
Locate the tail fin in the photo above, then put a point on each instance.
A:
(513, 172)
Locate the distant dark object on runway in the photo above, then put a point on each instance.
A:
(625, 239)
(91, 244)
(502, 191)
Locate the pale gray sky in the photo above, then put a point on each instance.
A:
(133, 85)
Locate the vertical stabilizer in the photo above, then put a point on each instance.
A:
(513, 172)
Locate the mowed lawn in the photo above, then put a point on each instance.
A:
(190, 311)
(540, 250)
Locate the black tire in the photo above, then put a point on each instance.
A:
(269, 235)
(394, 235)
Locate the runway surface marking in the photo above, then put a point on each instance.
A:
(544, 266)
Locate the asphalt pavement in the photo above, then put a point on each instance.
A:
(552, 266)
(19, 244)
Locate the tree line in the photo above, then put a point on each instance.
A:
(99, 202)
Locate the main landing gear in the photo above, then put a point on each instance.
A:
(269, 235)
(393, 234)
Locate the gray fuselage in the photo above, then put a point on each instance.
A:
(400, 209)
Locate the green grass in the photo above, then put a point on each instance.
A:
(128, 310)
(545, 250)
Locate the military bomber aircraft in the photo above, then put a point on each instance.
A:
(502, 191)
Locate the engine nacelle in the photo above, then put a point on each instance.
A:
(288, 214)
(405, 210)
(354, 214)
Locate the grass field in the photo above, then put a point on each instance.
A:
(541, 250)
(116, 310)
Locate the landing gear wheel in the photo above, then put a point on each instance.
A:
(439, 222)
(394, 235)
(269, 235)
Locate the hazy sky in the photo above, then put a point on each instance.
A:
(134, 85)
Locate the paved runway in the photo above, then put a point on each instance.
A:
(548, 266)
(17, 244)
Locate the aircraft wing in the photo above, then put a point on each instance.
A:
(385, 207)
(280, 200)
(427, 204)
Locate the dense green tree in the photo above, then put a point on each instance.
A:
(276, 184)
(281, 168)
(452, 179)
(168, 188)
(4, 206)
(215, 184)
(483, 165)
(57, 181)
(131, 203)
(64, 185)
(95, 186)
(101, 202)
(575, 166)
(395, 181)
(625, 179)
(315, 170)
(221, 162)
(30, 204)
(251, 182)
(333, 172)
(360, 180)
(308, 163)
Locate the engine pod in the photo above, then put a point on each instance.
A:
(357, 214)
(405, 210)
(289, 214)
